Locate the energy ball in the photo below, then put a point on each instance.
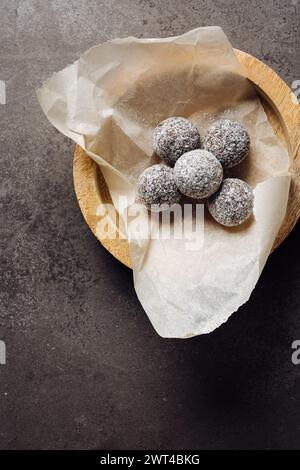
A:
(198, 174)
(232, 204)
(156, 188)
(228, 141)
(173, 137)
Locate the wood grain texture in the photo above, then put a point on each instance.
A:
(284, 115)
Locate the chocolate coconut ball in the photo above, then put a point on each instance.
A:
(173, 137)
(198, 174)
(156, 188)
(228, 141)
(232, 204)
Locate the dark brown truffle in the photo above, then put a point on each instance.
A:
(228, 141)
(173, 137)
(198, 174)
(233, 203)
(156, 188)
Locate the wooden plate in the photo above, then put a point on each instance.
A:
(284, 115)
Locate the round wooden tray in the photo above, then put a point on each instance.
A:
(284, 115)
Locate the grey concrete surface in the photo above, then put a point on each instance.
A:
(84, 367)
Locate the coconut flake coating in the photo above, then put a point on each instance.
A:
(173, 137)
(156, 188)
(198, 174)
(228, 141)
(233, 203)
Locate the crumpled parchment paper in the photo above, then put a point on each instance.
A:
(109, 102)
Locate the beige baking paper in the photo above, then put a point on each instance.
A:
(109, 102)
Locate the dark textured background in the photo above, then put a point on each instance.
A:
(85, 369)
